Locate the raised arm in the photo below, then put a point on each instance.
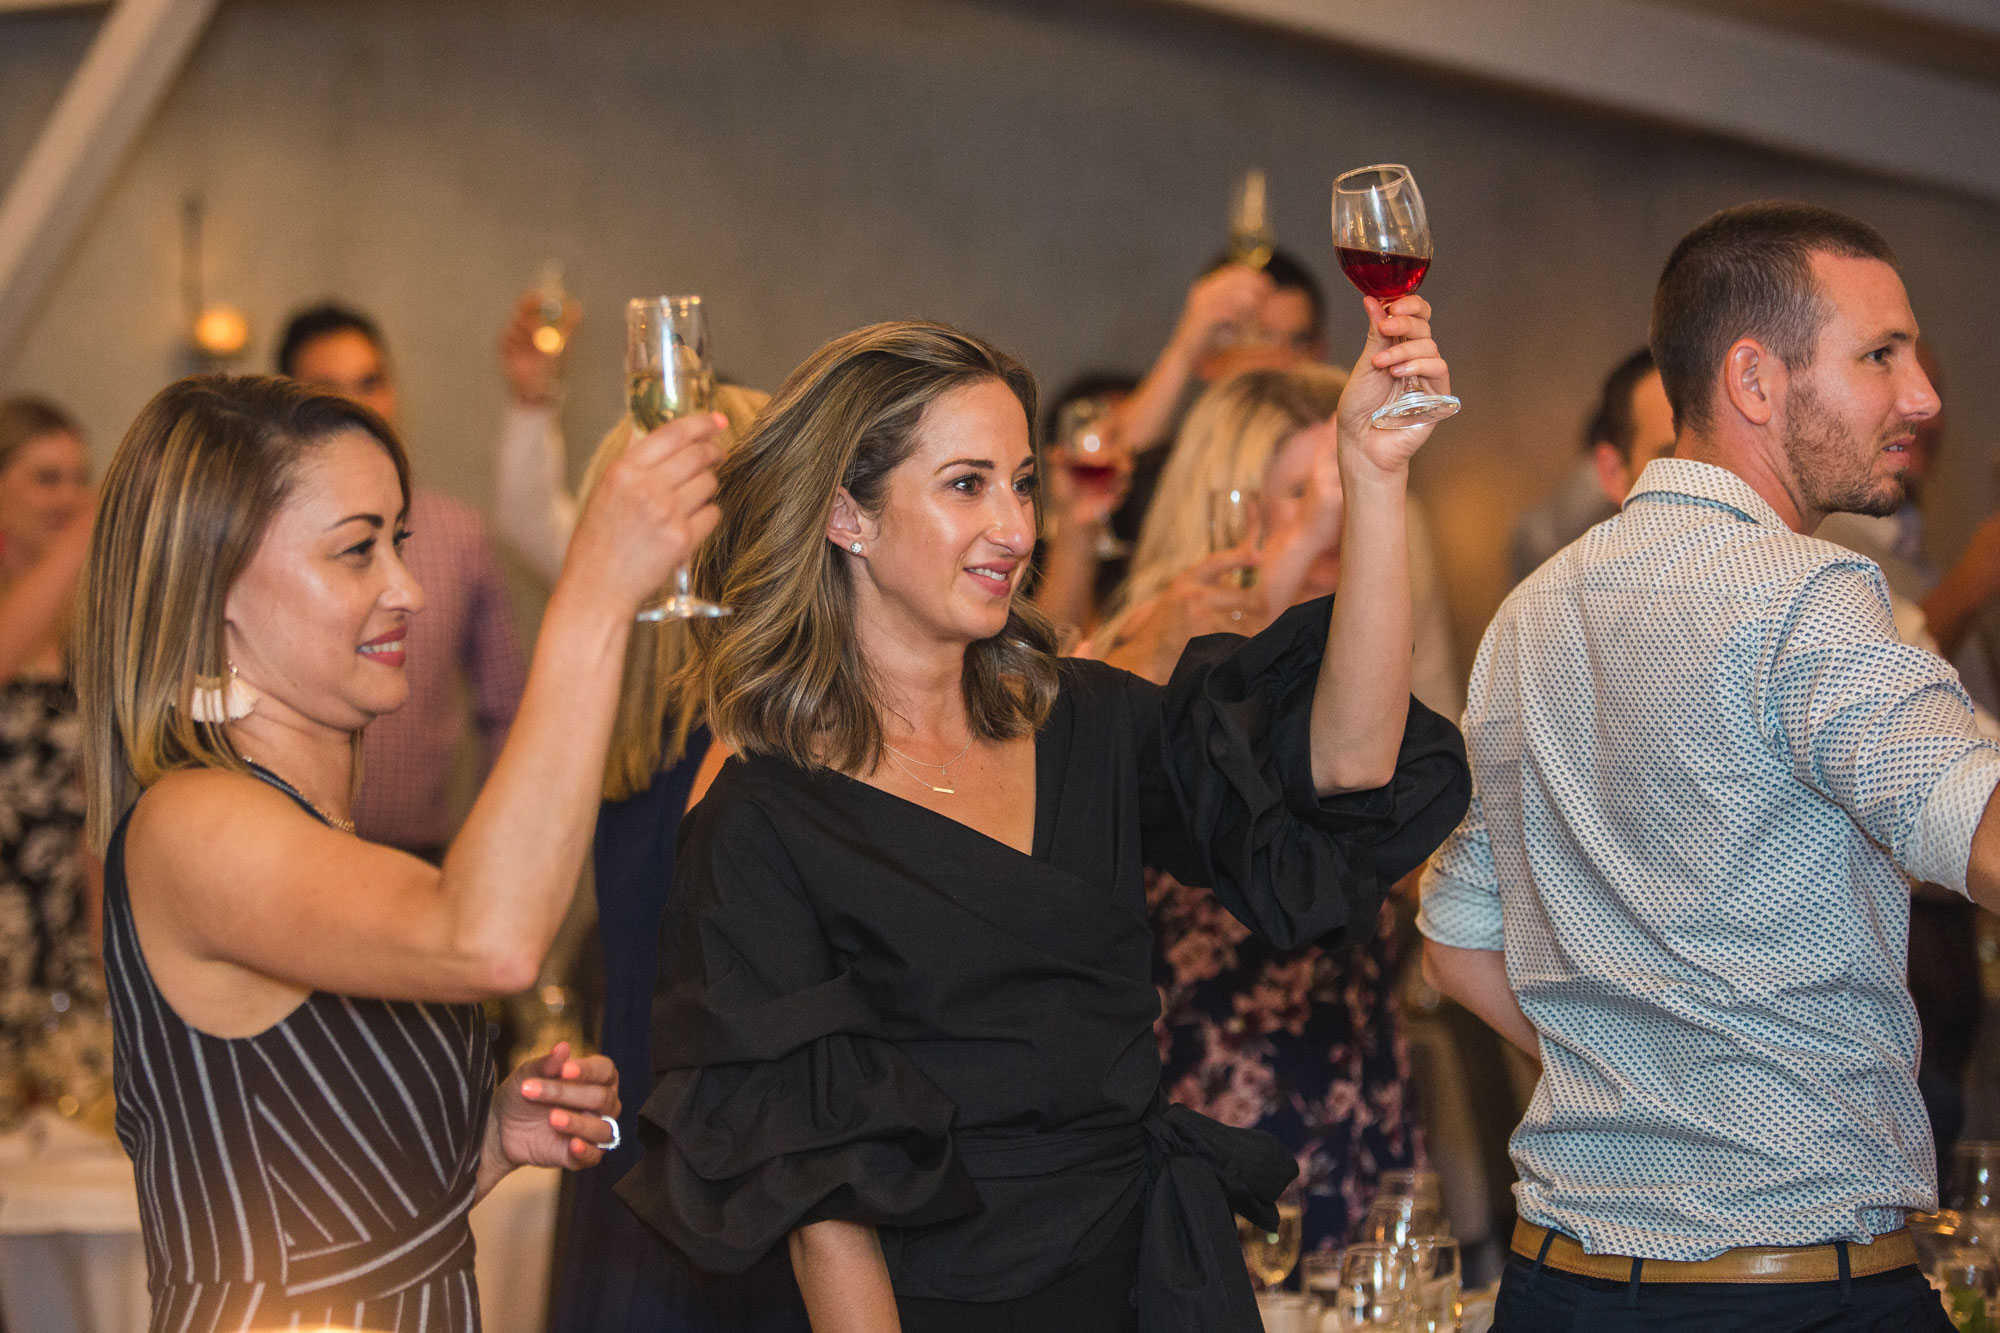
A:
(1226, 297)
(533, 506)
(237, 876)
(1363, 695)
(35, 605)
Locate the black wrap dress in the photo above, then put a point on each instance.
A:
(869, 1011)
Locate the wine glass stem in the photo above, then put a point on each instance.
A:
(681, 584)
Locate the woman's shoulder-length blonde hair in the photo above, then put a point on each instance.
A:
(784, 675)
(1228, 440)
(185, 502)
(640, 746)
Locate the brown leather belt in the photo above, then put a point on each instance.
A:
(1751, 1263)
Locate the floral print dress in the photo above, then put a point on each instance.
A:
(1306, 1044)
(51, 984)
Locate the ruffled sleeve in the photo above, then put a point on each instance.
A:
(776, 1102)
(1229, 800)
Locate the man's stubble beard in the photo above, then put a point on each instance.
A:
(1835, 476)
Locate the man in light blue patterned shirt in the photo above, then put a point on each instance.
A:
(1705, 771)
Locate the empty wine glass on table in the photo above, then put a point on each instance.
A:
(667, 376)
(1383, 241)
(1236, 520)
(1432, 1285)
(1093, 462)
(1369, 1296)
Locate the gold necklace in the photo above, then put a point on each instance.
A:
(344, 825)
(944, 769)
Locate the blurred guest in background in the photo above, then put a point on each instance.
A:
(50, 891)
(304, 1080)
(1235, 318)
(612, 1272)
(1631, 426)
(466, 634)
(1075, 570)
(1304, 1043)
(534, 510)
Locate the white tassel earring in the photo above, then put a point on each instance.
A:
(216, 700)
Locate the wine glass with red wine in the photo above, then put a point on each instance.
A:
(1093, 463)
(1384, 244)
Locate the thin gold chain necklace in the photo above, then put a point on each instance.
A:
(944, 770)
(344, 825)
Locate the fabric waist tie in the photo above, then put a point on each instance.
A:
(1197, 1174)
(1748, 1264)
(438, 1240)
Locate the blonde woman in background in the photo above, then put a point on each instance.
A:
(50, 980)
(612, 1271)
(1305, 1043)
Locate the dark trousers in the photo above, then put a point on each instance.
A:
(1900, 1301)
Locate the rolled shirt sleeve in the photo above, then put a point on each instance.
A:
(1882, 729)
(1461, 892)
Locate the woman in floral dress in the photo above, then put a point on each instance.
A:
(51, 986)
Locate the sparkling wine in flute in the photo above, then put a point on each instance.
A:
(1249, 231)
(1272, 1255)
(667, 376)
(1383, 240)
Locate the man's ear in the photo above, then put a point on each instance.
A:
(1753, 382)
(1614, 474)
(849, 526)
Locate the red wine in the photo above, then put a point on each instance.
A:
(1382, 276)
(1093, 476)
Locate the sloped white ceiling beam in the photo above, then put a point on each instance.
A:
(134, 57)
(1690, 68)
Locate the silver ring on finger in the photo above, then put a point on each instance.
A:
(617, 1136)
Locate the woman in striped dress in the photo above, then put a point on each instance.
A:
(302, 1074)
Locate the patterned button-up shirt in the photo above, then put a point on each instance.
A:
(465, 632)
(1704, 770)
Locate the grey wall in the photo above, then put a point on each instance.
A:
(1046, 173)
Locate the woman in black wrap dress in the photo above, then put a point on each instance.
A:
(905, 1018)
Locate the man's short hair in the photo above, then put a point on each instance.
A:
(1289, 275)
(1614, 422)
(1746, 273)
(318, 321)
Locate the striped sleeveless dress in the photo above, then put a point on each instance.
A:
(317, 1173)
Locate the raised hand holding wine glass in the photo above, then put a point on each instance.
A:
(1383, 239)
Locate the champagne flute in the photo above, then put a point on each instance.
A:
(667, 375)
(1092, 463)
(548, 337)
(1235, 518)
(1383, 241)
(1249, 231)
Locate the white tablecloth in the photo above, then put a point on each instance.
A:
(71, 1261)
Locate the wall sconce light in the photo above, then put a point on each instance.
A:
(217, 330)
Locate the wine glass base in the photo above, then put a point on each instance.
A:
(1415, 409)
(685, 608)
(1108, 547)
